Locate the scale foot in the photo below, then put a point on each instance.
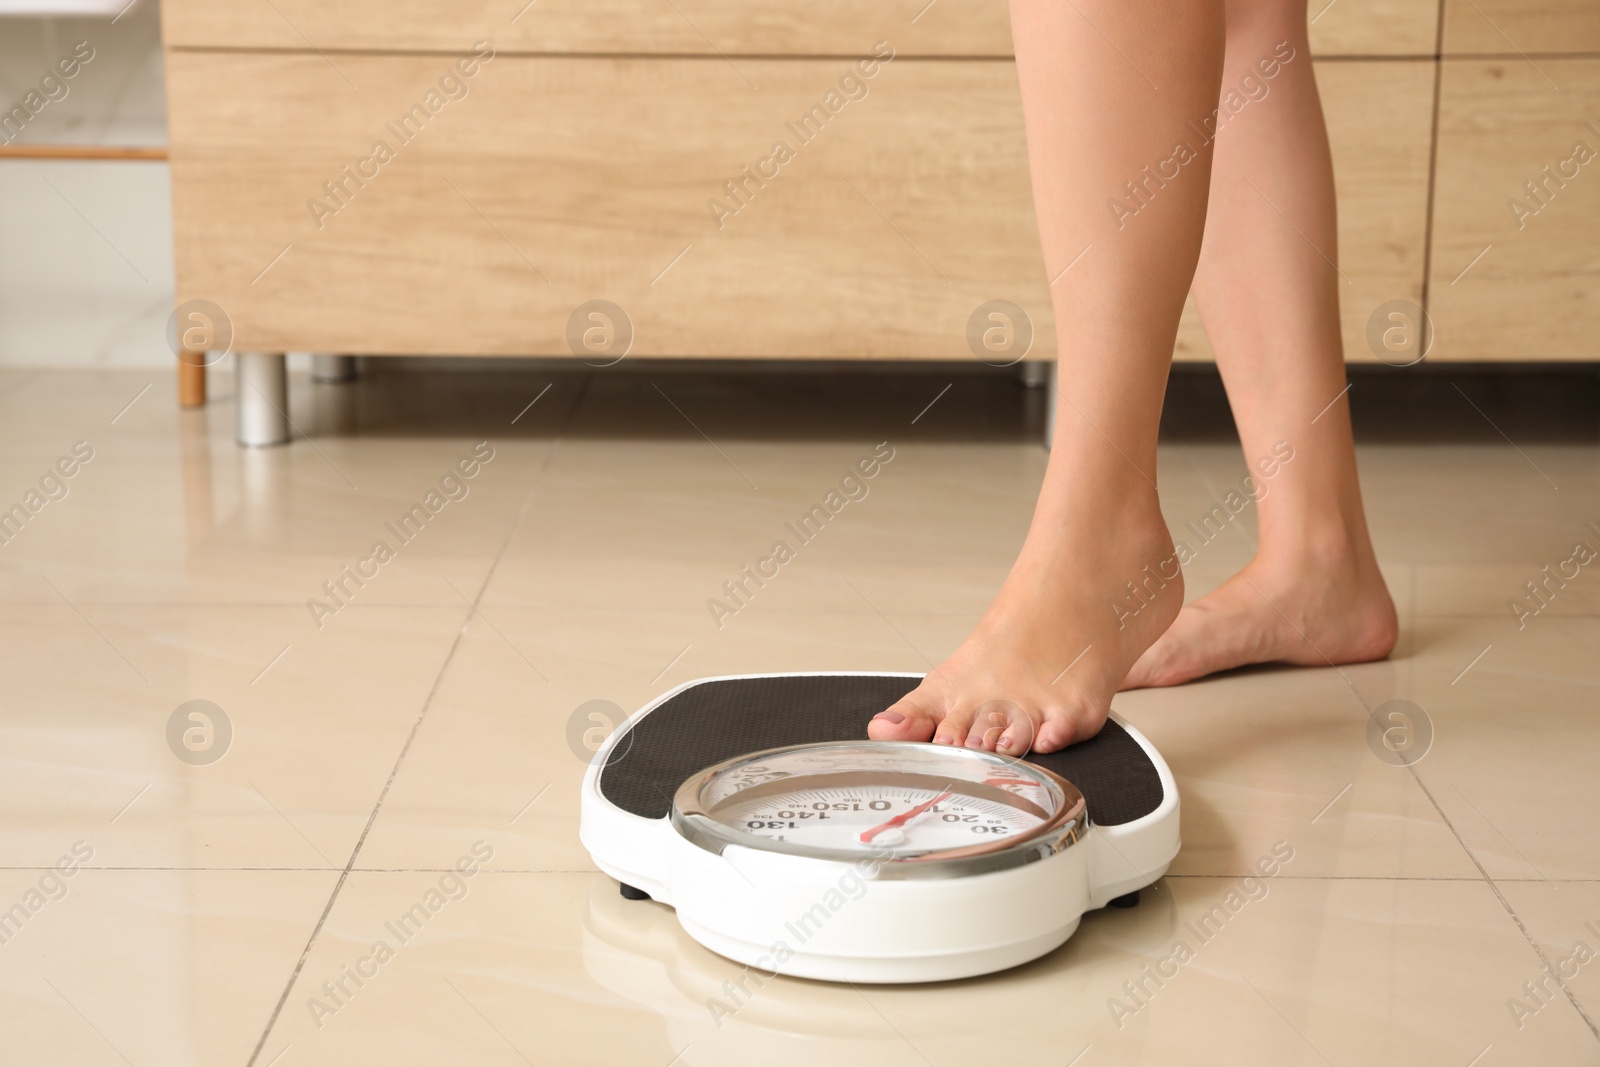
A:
(1126, 900)
(630, 893)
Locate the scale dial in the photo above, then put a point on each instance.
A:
(921, 810)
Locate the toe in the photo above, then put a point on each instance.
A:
(1001, 726)
(1058, 730)
(911, 718)
(954, 727)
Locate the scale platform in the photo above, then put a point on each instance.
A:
(745, 903)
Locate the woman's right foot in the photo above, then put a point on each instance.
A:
(1314, 613)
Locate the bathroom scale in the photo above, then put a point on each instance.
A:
(756, 807)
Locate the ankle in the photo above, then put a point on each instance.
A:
(1330, 543)
(1085, 461)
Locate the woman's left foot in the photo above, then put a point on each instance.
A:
(1096, 582)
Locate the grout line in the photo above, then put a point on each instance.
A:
(1501, 897)
(344, 875)
(1503, 837)
(416, 726)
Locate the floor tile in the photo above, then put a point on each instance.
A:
(502, 752)
(1563, 920)
(537, 966)
(315, 723)
(1515, 744)
(170, 967)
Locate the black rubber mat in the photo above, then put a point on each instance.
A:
(719, 720)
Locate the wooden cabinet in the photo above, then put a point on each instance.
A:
(556, 181)
(1521, 27)
(1379, 115)
(787, 28)
(733, 180)
(1516, 232)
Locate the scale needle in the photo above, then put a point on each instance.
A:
(902, 818)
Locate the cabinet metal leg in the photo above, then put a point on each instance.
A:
(263, 399)
(332, 368)
(1034, 373)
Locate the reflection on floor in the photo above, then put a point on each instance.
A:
(163, 905)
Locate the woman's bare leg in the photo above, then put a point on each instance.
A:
(1270, 302)
(1109, 88)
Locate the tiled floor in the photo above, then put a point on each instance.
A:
(372, 748)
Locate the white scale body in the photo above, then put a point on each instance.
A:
(876, 916)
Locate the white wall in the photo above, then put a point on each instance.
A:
(86, 247)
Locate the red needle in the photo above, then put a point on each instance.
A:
(901, 819)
